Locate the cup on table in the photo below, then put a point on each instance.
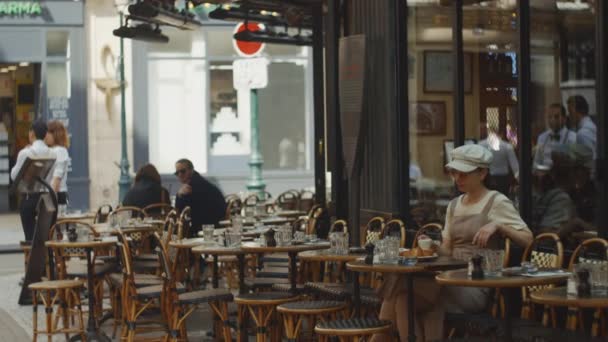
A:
(233, 238)
(283, 236)
(425, 243)
(237, 223)
(599, 277)
(208, 230)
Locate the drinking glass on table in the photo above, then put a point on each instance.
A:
(233, 238)
(493, 261)
(208, 230)
(237, 223)
(599, 278)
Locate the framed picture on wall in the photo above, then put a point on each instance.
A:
(428, 118)
(439, 72)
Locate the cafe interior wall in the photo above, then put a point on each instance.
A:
(101, 17)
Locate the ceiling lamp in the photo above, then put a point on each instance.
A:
(154, 11)
(577, 5)
(24, 64)
(12, 67)
(143, 32)
(273, 38)
(4, 70)
(270, 18)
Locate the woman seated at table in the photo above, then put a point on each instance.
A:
(478, 218)
(147, 189)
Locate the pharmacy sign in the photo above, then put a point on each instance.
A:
(20, 8)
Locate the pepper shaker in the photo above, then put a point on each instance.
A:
(477, 272)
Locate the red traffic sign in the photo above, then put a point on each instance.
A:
(248, 49)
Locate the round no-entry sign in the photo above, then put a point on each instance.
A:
(248, 49)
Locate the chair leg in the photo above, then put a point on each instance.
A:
(35, 315)
(48, 309)
(595, 326)
(76, 299)
(64, 312)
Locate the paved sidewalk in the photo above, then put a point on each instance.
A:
(10, 232)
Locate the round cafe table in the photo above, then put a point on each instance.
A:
(409, 272)
(77, 216)
(182, 259)
(461, 278)
(215, 250)
(558, 296)
(93, 333)
(294, 214)
(291, 250)
(325, 255)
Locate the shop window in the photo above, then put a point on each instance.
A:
(58, 44)
(229, 127)
(282, 115)
(58, 79)
(177, 113)
(181, 44)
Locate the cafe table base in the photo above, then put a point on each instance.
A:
(93, 332)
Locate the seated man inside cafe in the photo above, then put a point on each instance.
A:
(552, 206)
(479, 218)
(205, 200)
(574, 162)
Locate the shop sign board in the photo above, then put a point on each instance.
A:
(248, 49)
(250, 73)
(40, 12)
(20, 8)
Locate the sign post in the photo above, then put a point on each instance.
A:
(252, 73)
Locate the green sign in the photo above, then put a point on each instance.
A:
(20, 8)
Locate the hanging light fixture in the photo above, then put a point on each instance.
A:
(154, 11)
(144, 32)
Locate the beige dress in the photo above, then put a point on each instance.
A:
(462, 223)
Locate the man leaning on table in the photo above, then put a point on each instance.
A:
(29, 201)
(205, 200)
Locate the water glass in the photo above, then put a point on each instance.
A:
(208, 230)
(237, 223)
(299, 236)
(599, 277)
(233, 238)
(283, 236)
(380, 251)
(311, 237)
(392, 248)
(342, 243)
(493, 261)
(260, 209)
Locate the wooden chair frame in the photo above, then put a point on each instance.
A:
(400, 225)
(527, 310)
(101, 216)
(164, 208)
(425, 229)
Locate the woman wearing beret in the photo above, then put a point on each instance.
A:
(479, 218)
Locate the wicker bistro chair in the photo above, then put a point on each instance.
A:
(432, 230)
(26, 248)
(128, 212)
(157, 210)
(352, 329)
(63, 294)
(306, 200)
(234, 206)
(288, 200)
(261, 307)
(136, 300)
(184, 224)
(294, 314)
(70, 262)
(101, 216)
(178, 305)
(590, 251)
(373, 230)
(551, 255)
(395, 227)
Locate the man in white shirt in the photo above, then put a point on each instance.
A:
(586, 130)
(556, 134)
(37, 148)
(504, 162)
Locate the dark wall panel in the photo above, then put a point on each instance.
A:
(379, 181)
